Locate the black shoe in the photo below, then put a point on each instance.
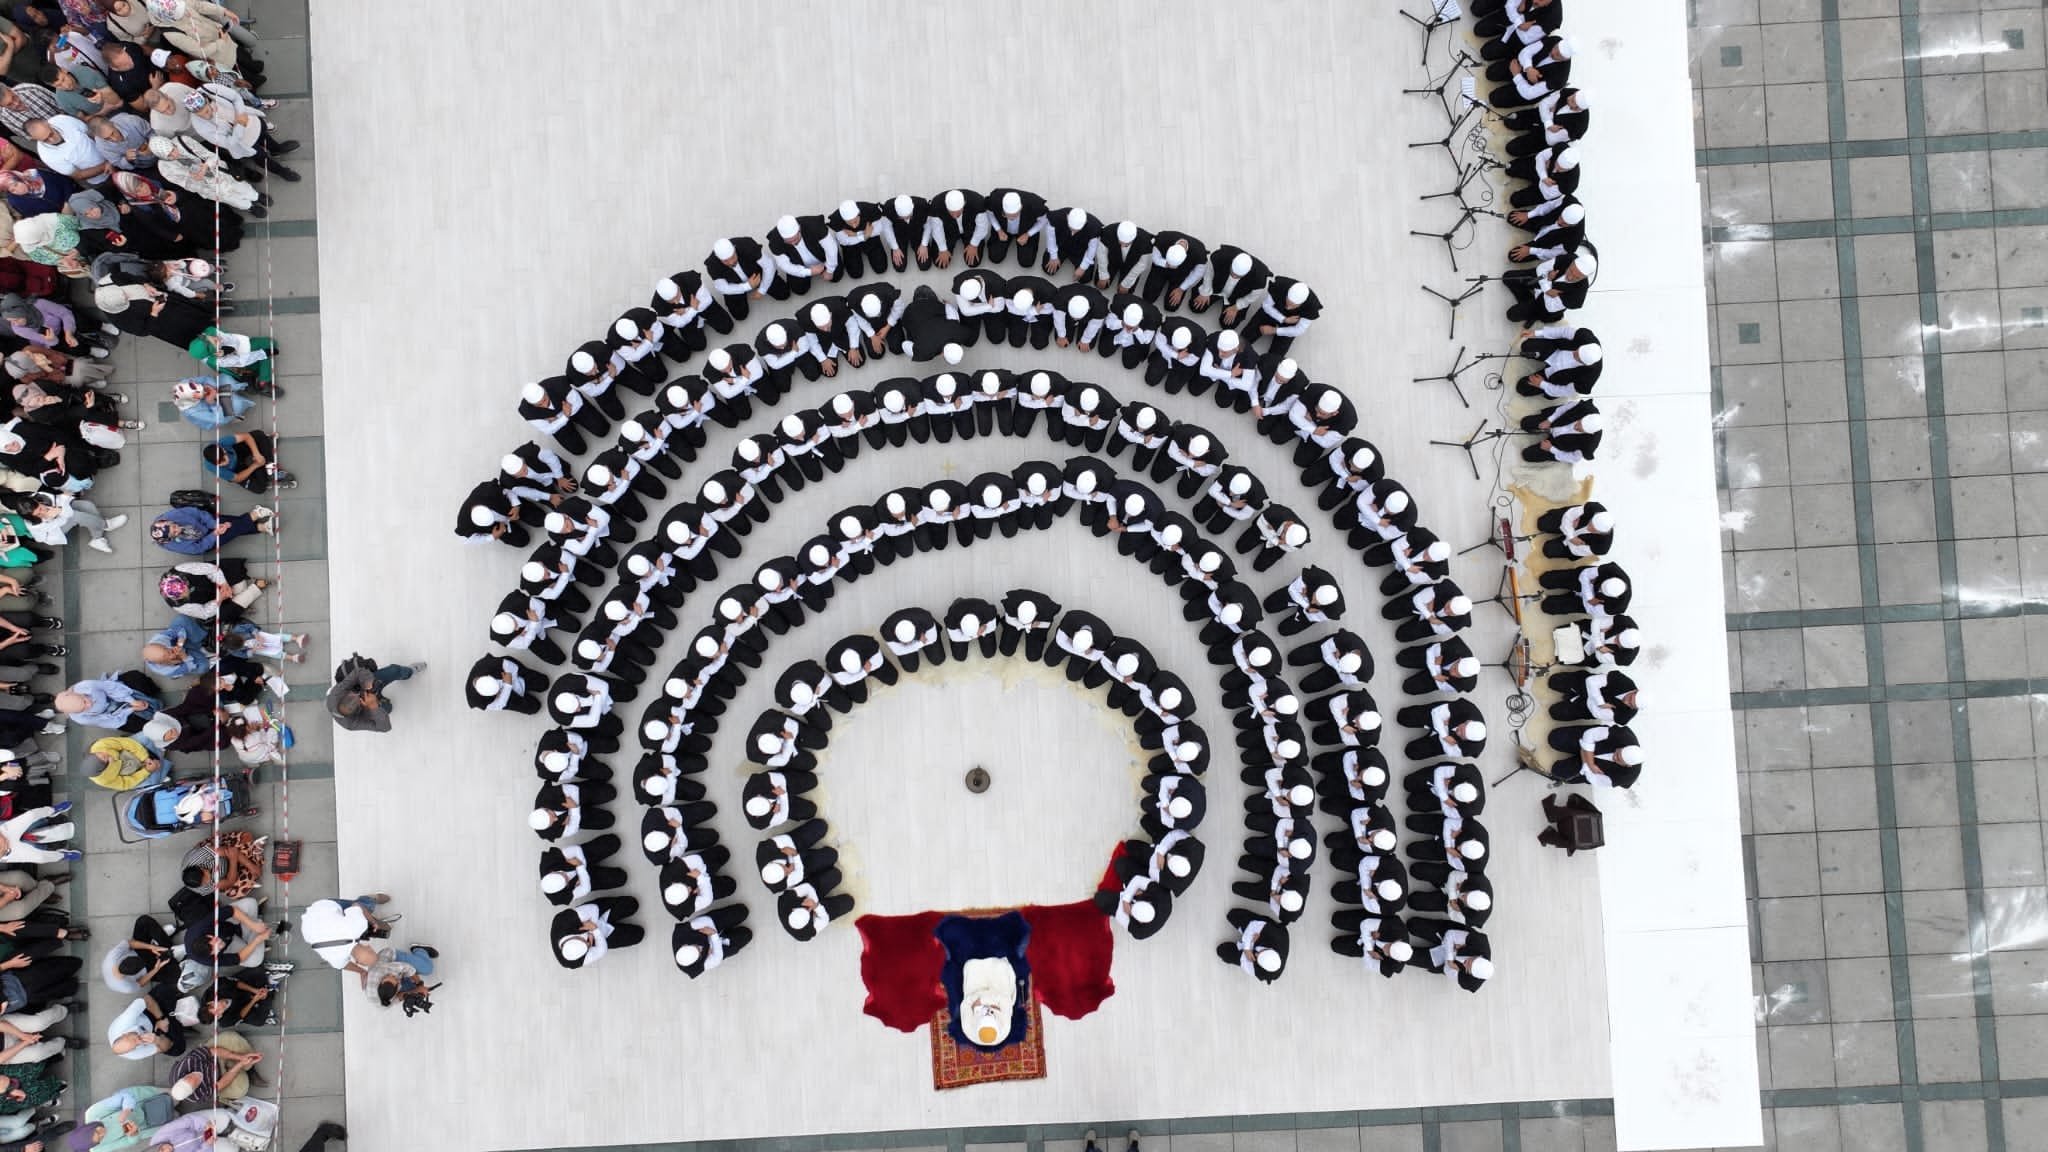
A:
(282, 172)
(258, 211)
(432, 953)
(59, 650)
(284, 146)
(48, 669)
(330, 1130)
(73, 1043)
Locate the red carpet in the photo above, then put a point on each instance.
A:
(958, 1066)
(1070, 952)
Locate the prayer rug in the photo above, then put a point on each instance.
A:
(956, 1065)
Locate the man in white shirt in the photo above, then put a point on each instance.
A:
(64, 144)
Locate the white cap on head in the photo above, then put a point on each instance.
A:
(719, 359)
(655, 841)
(1078, 306)
(1301, 795)
(1328, 400)
(1613, 586)
(970, 288)
(553, 882)
(598, 474)
(1285, 369)
(1239, 483)
(1179, 807)
(1126, 232)
(573, 948)
(485, 685)
(615, 610)
(774, 871)
(1458, 606)
(1227, 341)
(1300, 849)
(582, 361)
(776, 333)
(1297, 295)
(504, 622)
(533, 571)
(722, 249)
(1388, 889)
(1592, 423)
(555, 522)
(759, 805)
(480, 516)
(654, 730)
(1294, 535)
(1287, 705)
(631, 431)
(940, 499)
(1479, 901)
(1629, 638)
(626, 329)
(820, 315)
(1290, 901)
(667, 289)
(1572, 213)
(1176, 256)
(787, 228)
(1438, 551)
(1400, 951)
(1472, 849)
(1383, 840)
(1465, 666)
(676, 894)
(956, 200)
(1465, 793)
(1481, 968)
(1630, 755)
(1241, 264)
(870, 306)
(1182, 337)
(652, 785)
(1564, 48)
(568, 702)
(792, 425)
(1178, 865)
(969, 622)
(903, 205)
(1077, 219)
(539, 819)
(1579, 98)
(1198, 445)
(1269, 961)
(798, 917)
(1012, 203)
(1023, 298)
(511, 462)
(533, 393)
(849, 211)
(1397, 501)
(1374, 775)
(1084, 638)
(1134, 315)
(953, 353)
(1587, 264)
(895, 503)
(1475, 730)
(1143, 912)
(1567, 159)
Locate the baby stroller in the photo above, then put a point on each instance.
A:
(155, 811)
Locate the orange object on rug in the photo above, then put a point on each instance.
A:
(958, 1066)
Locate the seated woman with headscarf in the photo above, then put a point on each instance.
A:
(200, 589)
(49, 238)
(185, 164)
(248, 358)
(58, 458)
(51, 324)
(124, 1121)
(146, 309)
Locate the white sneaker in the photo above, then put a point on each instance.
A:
(117, 521)
(100, 544)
